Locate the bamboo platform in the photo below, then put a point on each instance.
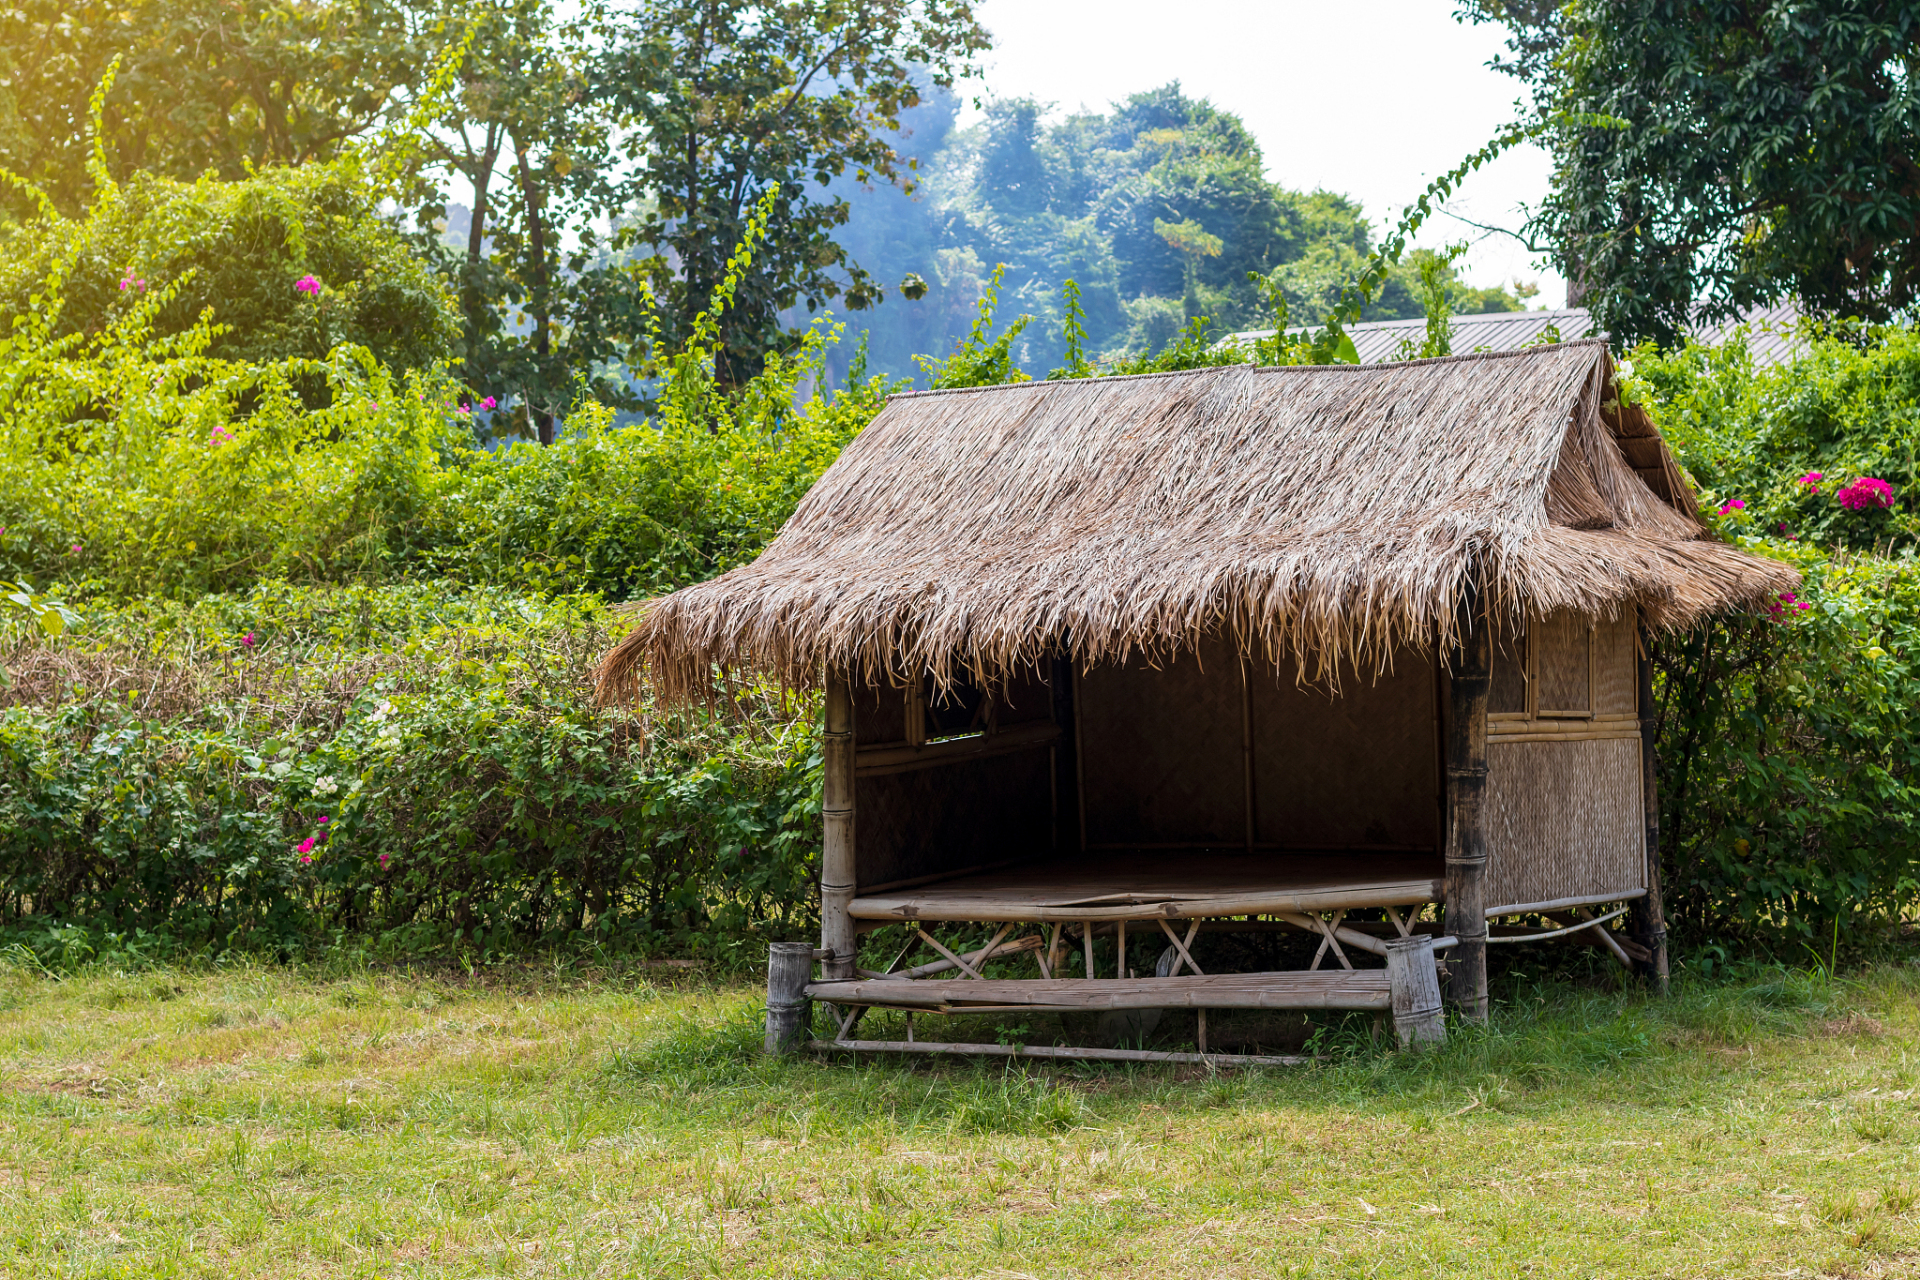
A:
(1298, 989)
(1167, 883)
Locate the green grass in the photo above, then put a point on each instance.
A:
(264, 1122)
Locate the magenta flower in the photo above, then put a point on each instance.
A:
(133, 282)
(488, 403)
(74, 549)
(306, 861)
(1732, 504)
(306, 846)
(322, 819)
(384, 859)
(249, 640)
(466, 409)
(1811, 478)
(1865, 493)
(219, 436)
(308, 285)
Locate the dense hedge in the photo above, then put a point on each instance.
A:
(436, 747)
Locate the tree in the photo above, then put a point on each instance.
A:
(724, 100)
(1754, 151)
(220, 85)
(544, 309)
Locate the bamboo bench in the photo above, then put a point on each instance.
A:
(1364, 989)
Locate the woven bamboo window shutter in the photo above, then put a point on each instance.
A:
(1563, 667)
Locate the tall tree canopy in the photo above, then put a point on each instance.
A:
(724, 100)
(204, 85)
(1762, 149)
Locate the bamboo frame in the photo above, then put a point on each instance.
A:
(837, 886)
(1649, 923)
(875, 761)
(1466, 784)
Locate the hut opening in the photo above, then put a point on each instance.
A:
(1241, 647)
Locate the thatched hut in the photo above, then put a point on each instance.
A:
(1250, 646)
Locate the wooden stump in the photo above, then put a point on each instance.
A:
(789, 1011)
(1414, 978)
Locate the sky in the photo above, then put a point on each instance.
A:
(1371, 98)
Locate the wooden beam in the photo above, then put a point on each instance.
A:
(875, 761)
(1648, 924)
(1246, 749)
(836, 821)
(1466, 786)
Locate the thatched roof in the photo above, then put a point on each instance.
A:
(1319, 513)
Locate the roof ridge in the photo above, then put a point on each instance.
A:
(1385, 366)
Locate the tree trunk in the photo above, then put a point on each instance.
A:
(541, 306)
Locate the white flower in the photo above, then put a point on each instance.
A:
(1624, 368)
(380, 712)
(324, 785)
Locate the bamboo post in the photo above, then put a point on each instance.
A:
(1466, 782)
(836, 820)
(1414, 980)
(789, 1012)
(1648, 921)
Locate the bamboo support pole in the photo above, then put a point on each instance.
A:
(1466, 785)
(836, 821)
(789, 1011)
(1648, 924)
(1414, 979)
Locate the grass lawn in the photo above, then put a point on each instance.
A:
(266, 1122)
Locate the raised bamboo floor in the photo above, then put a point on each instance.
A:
(1165, 884)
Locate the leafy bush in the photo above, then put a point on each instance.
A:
(638, 511)
(420, 766)
(235, 252)
(1789, 744)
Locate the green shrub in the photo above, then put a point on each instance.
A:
(1789, 741)
(162, 772)
(235, 251)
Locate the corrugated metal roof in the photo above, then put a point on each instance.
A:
(1770, 332)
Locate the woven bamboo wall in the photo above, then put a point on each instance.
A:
(925, 821)
(1563, 666)
(1563, 819)
(1160, 751)
(1616, 669)
(1358, 768)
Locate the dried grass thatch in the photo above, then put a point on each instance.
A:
(1327, 513)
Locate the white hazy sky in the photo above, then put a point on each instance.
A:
(1371, 99)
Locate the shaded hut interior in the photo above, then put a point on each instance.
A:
(1222, 773)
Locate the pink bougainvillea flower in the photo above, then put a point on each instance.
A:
(306, 846)
(1865, 493)
(133, 282)
(466, 408)
(1732, 504)
(384, 859)
(1803, 605)
(308, 285)
(249, 640)
(219, 436)
(74, 549)
(322, 819)
(488, 403)
(1811, 478)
